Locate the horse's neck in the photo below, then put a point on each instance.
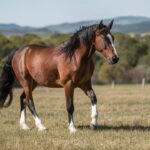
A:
(83, 53)
(83, 56)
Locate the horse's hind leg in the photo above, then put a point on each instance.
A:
(28, 86)
(30, 103)
(23, 124)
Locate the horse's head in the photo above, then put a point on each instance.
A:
(104, 42)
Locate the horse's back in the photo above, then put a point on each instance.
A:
(38, 62)
(32, 54)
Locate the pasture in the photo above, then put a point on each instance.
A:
(124, 121)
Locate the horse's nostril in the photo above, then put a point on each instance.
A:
(115, 59)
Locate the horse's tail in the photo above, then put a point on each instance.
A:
(7, 79)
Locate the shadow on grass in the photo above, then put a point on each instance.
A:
(117, 128)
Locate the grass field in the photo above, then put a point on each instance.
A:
(124, 121)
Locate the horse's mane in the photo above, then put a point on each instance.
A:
(85, 33)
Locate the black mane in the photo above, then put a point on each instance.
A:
(86, 34)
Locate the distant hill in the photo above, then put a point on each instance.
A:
(139, 28)
(126, 24)
(129, 20)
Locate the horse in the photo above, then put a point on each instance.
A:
(68, 65)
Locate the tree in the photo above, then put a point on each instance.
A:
(108, 73)
(5, 46)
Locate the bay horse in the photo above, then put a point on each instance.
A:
(69, 65)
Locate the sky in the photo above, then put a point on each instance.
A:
(40, 13)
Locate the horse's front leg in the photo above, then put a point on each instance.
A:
(94, 113)
(91, 94)
(69, 92)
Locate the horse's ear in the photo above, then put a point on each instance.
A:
(101, 24)
(109, 26)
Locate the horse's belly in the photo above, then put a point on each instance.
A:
(47, 78)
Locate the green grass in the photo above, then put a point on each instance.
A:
(124, 121)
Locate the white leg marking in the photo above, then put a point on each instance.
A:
(112, 44)
(94, 115)
(23, 124)
(39, 125)
(72, 127)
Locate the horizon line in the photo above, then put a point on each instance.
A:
(69, 22)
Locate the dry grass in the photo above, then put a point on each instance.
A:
(124, 121)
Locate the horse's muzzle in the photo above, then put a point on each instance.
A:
(113, 60)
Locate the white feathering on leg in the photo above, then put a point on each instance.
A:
(39, 125)
(72, 127)
(94, 115)
(23, 124)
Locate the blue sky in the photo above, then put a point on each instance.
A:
(45, 12)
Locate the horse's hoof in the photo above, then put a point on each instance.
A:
(93, 127)
(24, 127)
(42, 128)
(72, 130)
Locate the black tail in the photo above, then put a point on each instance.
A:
(7, 79)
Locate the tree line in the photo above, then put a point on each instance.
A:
(133, 50)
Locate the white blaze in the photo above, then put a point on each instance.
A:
(112, 44)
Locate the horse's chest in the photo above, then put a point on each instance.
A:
(83, 74)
